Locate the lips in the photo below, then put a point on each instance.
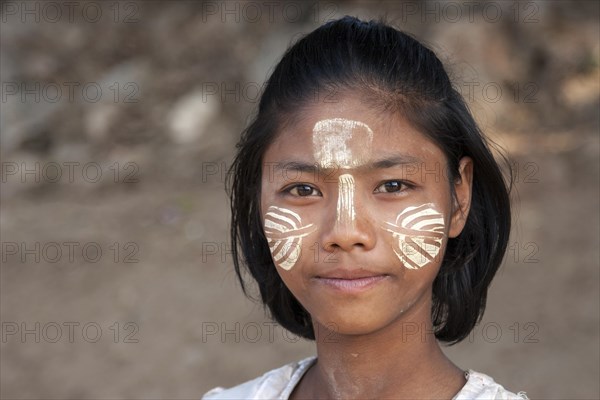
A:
(348, 274)
(350, 281)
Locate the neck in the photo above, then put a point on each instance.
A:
(402, 360)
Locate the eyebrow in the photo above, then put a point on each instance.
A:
(387, 162)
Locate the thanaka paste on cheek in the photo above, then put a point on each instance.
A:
(284, 232)
(418, 233)
(342, 143)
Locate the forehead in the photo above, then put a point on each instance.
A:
(358, 126)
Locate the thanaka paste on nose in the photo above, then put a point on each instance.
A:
(342, 143)
(345, 204)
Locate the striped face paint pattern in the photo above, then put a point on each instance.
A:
(418, 233)
(284, 232)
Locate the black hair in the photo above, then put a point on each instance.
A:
(395, 73)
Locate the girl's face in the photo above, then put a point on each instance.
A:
(357, 210)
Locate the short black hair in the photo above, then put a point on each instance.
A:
(395, 73)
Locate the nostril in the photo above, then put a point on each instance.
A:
(331, 246)
(334, 247)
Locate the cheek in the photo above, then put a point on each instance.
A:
(418, 234)
(284, 231)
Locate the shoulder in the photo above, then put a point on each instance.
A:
(275, 384)
(482, 386)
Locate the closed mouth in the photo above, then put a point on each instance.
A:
(349, 274)
(350, 280)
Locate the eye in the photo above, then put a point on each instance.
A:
(302, 191)
(392, 187)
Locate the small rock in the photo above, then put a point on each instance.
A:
(190, 117)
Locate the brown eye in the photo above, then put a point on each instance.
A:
(302, 190)
(391, 187)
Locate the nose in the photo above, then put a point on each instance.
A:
(349, 236)
(348, 226)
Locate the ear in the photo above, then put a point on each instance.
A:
(461, 204)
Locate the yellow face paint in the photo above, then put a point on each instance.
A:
(342, 143)
(418, 233)
(345, 203)
(284, 232)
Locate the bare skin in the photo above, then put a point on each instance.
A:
(376, 341)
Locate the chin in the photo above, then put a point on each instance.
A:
(350, 323)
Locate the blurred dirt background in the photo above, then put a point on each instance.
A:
(119, 119)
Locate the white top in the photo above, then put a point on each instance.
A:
(280, 382)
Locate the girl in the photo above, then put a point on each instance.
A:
(369, 209)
